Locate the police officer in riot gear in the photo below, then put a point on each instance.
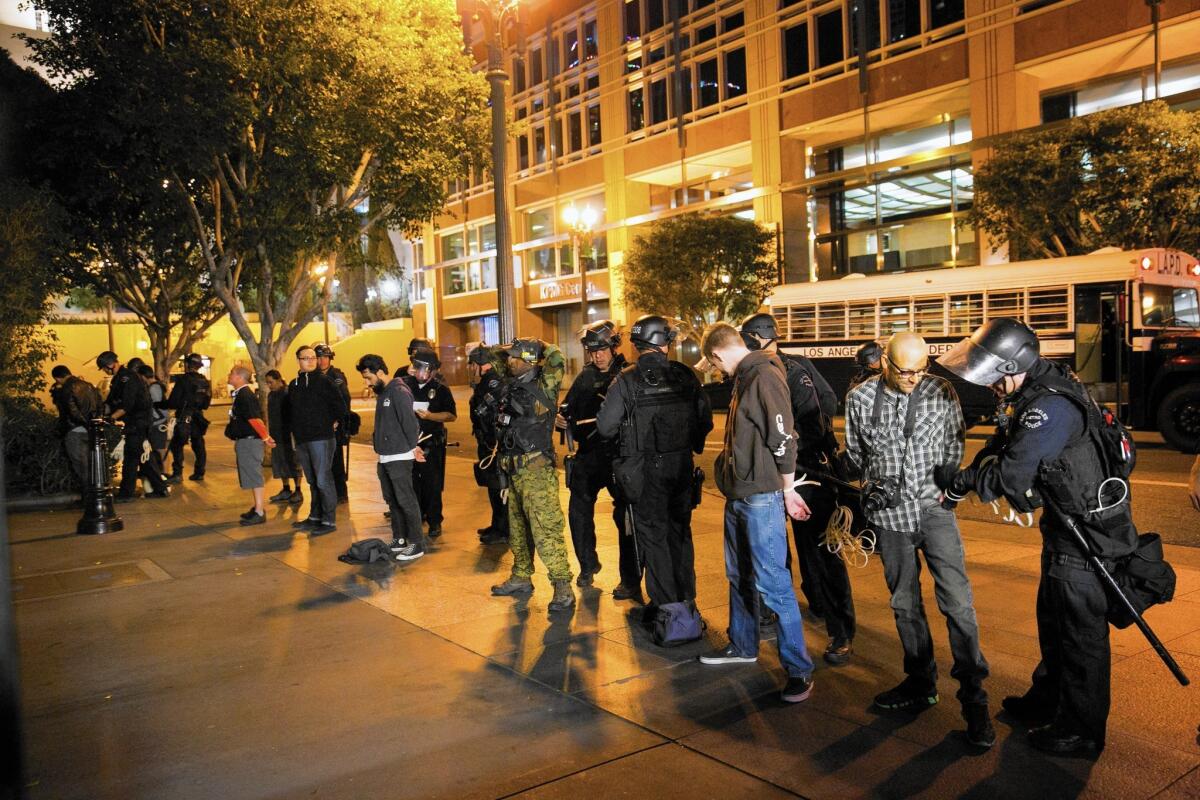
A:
(435, 406)
(189, 398)
(868, 359)
(525, 427)
(417, 343)
(661, 415)
(338, 379)
(129, 403)
(1044, 454)
(823, 576)
(485, 400)
(591, 466)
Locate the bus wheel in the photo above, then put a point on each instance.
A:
(1179, 418)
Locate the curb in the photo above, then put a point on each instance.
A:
(49, 502)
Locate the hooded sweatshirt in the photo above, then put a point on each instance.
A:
(760, 446)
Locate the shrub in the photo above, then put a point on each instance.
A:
(34, 459)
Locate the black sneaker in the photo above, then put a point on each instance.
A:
(123, 498)
(796, 690)
(979, 725)
(296, 499)
(406, 551)
(196, 476)
(838, 651)
(434, 532)
(281, 496)
(729, 655)
(626, 592)
(253, 519)
(910, 694)
(306, 523)
(323, 528)
(249, 514)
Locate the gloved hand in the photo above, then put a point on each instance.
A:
(846, 467)
(948, 504)
(943, 475)
(955, 482)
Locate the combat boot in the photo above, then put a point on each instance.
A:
(564, 597)
(513, 585)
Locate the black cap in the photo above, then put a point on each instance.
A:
(600, 335)
(528, 349)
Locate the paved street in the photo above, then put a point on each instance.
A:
(187, 657)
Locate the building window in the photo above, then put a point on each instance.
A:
(944, 12)
(735, 73)
(1057, 107)
(575, 132)
(571, 48)
(904, 19)
(637, 116)
(518, 72)
(535, 67)
(706, 34)
(591, 43)
(593, 118)
(872, 8)
(633, 20)
(708, 85)
(684, 83)
(655, 16)
(829, 39)
(522, 152)
(795, 51)
(539, 145)
(658, 101)
(733, 22)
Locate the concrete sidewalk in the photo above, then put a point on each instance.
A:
(187, 657)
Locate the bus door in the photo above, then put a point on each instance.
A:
(1099, 359)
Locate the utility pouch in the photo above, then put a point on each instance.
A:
(629, 472)
(1145, 578)
(569, 468)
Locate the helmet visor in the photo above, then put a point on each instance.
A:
(972, 363)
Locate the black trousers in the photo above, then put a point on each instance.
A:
(591, 472)
(663, 528)
(429, 478)
(823, 575)
(189, 432)
(1075, 675)
(132, 466)
(339, 468)
(499, 509)
(395, 480)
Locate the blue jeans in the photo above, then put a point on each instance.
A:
(756, 551)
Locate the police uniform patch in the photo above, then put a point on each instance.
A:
(1034, 418)
(432, 394)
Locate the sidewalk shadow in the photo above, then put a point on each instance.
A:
(1043, 775)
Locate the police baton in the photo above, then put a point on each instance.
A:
(1098, 567)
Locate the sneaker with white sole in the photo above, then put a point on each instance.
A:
(796, 690)
(727, 656)
(406, 551)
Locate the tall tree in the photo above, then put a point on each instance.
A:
(698, 267)
(1124, 178)
(275, 122)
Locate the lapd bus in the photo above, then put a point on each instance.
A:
(1127, 322)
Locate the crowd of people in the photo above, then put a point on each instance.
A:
(634, 429)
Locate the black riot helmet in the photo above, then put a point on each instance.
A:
(600, 335)
(323, 350)
(420, 344)
(652, 331)
(869, 356)
(999, 347)
(762, 325)
(478, 353)
(425, 358)
(527, 349)
(106, 359)
(193, 361)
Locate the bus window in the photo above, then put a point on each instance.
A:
(929, 314)
(966, 313)
(1049, 309)
(831, 321)
(862, 319)
(894, 316)
(1006, 304)
(1166, 306)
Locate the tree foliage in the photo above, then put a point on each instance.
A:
(1124, 178)
(273, 122)
(696, 267)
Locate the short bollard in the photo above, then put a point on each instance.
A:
(98, 513)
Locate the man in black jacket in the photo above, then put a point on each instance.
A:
(314, 411)
(658, 409)
(591, 467)
(190, 396)
(338, 379)
(435, 406)
(395, 441)
(78, 403)
(129, 404)
(485, 400)
(283, 454)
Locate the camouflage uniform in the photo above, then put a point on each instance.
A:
(535, 519)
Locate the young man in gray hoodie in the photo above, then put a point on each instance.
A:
(395, 441)
(755, 472)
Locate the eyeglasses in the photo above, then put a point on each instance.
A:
(306, 358)
(910, 373)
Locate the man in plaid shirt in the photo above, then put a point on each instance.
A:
(899, 427)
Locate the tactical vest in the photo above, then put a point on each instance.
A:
(589, 396)
(1072, 482)
(525, 420)
(662, 413)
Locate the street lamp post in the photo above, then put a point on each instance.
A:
(495, 14)
(580, 222)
